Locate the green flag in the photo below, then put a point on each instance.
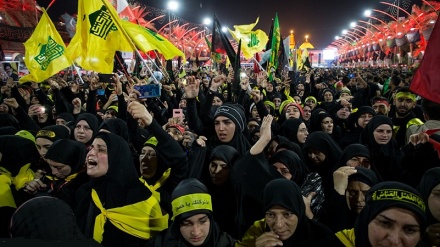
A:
(273, 62)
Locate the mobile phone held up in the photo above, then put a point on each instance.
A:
(178, 113)
(149, 91)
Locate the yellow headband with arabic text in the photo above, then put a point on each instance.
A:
(191, 202)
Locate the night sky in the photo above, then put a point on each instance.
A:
(322, 20)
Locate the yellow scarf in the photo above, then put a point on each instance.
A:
(158, 184)
(143, 219)
(67, 179)
(346, 237)
(24, 176)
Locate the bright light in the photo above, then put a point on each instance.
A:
(432, 22)
(353, 24)
(344, 31)
(380, 40)
(1, 18)
(307, 36)
(291, 31)
(206, 21)
(337, 37)
(224, 29)
(399, 33)
(367, 13)
(328, 54)
(173, 5)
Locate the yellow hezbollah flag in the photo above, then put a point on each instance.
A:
(97, 36)
(148, 40)
(251, 41)
(45, 52)
(246, 28)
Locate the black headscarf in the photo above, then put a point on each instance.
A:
(287, 194)
(289, 129)
(16, 152)
(430, 179)
(8, 120)
(236, 114)
(91, 120)
(68, 152)
(121, 175)
(323, 143)
(351, 151)
(53, 133)
(384, 158)
(45, 218)
(316, 120)
(364, 175)
(116, 126)
(292, 161)
(383, 196)
(173, 237)
(225, 153)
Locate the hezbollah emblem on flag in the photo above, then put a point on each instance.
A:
(101, 23)
(253, 41)
(49, 52)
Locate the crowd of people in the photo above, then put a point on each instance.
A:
(324, 157)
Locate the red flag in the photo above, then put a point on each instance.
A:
(426, 81)
(256, 66)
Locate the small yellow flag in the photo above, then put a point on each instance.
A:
(148, 40)
(97, 36)
(45, 52)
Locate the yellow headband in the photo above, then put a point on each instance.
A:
(46, 133)
(399, 195)
(191, 202)
(406, 95)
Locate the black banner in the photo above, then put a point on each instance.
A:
(15, 34)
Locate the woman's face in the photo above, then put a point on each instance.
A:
(382, 134)
(327, 125)
(355, 195)
(219, 171)
(394, 227)
(277, 102)
(224, 128)
(255, 114)
(364, 119)
(297, 99)
(97, 159)
(343, 113)
(59, 170)
(269, 87)
(328, 97)
(356, 161)
(195, 229)
(82, 132)
(148, 162)
(217, 101)
(434, 202)
(307, 112)
(282, 169)
(302, 133)
(315, 156)
(43, 145)
(293, 112)
(281, 221)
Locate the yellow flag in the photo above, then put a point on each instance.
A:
(251, 42)
(246, 28)
(148, 40)
(97, 36)
(45, 52)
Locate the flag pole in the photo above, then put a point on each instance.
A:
(133, 46)
(259, 65)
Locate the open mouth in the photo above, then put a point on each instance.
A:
(91, 163)
(145, 167)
